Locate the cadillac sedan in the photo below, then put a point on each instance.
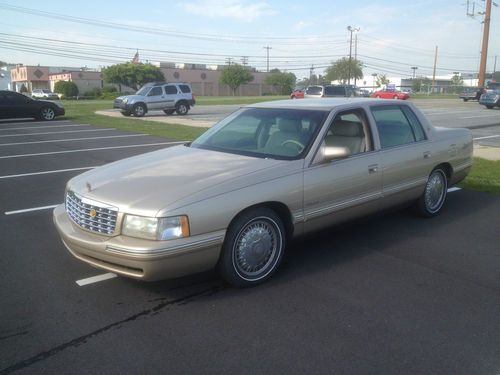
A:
(269, 172)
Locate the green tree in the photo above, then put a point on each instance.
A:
(457, 84)
(420, 84)
(132, 75)
(3, 63)
(66, 88)
(382, 79)
(234, 76)
(282, 81)
(339, 70)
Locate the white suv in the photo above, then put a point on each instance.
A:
(43, 94)
(169, 97)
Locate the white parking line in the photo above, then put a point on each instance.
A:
(32, 122)
(89, 149)
(477, 116)
(43, 127)
(96, 279)
(64, 132)
(30, 210)
(45, 172)
(452, 189)
(72, 139)
(489, 136)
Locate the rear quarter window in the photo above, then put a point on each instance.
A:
(185, 89)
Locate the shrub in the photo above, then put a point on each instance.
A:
(66, 88)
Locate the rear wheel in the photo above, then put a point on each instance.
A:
(377, 96)
(47, 114)
(139, 110)
(253, 248)
(434, 195)
(169, 111)
(182, 108)
(395, 97)
(465, 99)
(125, 113)
(489, 106)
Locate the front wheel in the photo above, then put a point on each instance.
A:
(489, 106)
(253, 248)
(169, 111)
(47, 114)
(431, 201)
(395, 97)
(139, 110)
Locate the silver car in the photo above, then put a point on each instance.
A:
(269, 172)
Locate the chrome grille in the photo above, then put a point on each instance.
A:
(91, 215)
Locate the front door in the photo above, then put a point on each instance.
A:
(345, 188)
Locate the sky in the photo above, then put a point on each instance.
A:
(393, 36)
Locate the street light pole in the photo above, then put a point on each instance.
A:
(414, 69)
(351, 30)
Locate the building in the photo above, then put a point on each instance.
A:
(85, 80)
(27, 78)
(5, 82)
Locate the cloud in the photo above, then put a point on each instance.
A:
(236, 9)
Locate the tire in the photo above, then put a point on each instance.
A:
(395, 97)
(182, 108)
(169, 111)
(377, 96)
(253, 248)
(139, 110)
(46, 114)
(293, 97)
(465, 99)
(434, 195)
(125, 113)
(489, 106)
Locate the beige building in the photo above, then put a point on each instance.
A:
(32, 77)
(85, 80)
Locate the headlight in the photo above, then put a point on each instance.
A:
(152, 228)
(125, 100)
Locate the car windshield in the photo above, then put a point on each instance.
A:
(143, 90)
(276, 133)
(47, 91)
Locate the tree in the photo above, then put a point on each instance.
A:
(457, 84)
(66, 88)
(420, 83)
(132, 75)
(234, 76)
(339, 70)
(382, 79)
(282, 81)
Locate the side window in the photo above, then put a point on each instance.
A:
(185, 89)
(313, 90)
(349, 129)
(393, 127)
(15, 98)
(415, 124)
(169, 90)
(156, 91)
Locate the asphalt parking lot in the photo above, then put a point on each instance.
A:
(390, 294)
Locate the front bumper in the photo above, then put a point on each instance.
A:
(138, 258)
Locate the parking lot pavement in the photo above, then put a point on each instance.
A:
(391, 294)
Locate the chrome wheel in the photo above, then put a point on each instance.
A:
(435, 191)
(182, 109)
(139, 110)
(47, 114)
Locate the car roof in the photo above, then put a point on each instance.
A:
(323, 104)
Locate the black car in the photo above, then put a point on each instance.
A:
(490, 99)
(15, 105)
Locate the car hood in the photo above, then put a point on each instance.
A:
(131, 97)
(179, 175)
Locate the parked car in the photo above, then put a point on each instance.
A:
(390, 94)
(266, 174)
(43, 94)
(472, 93)
(169, 97)
(329, 91)
(16, 105)
(490, 99)
(297, 94)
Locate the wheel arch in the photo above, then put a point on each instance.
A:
(279, 208)
(448, 170)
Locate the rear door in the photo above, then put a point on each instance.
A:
(171, 95)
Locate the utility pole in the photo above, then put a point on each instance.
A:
(228, 60)
(244, 60)
(355, 53)
(495, 69)
(434, 71)
(267, 48)
(484, 49)
(311, 72)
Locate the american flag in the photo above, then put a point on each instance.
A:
(135, 60)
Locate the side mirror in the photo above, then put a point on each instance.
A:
(333, 153)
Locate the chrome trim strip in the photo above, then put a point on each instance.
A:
(463, 166)
(339, 206)
(216, 240)
(403, 186)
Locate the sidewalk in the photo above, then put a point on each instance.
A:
(486, 152)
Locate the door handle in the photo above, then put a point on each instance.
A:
(373, 168)
(427, 154)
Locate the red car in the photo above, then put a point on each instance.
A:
(297, 94)
(390, 94)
